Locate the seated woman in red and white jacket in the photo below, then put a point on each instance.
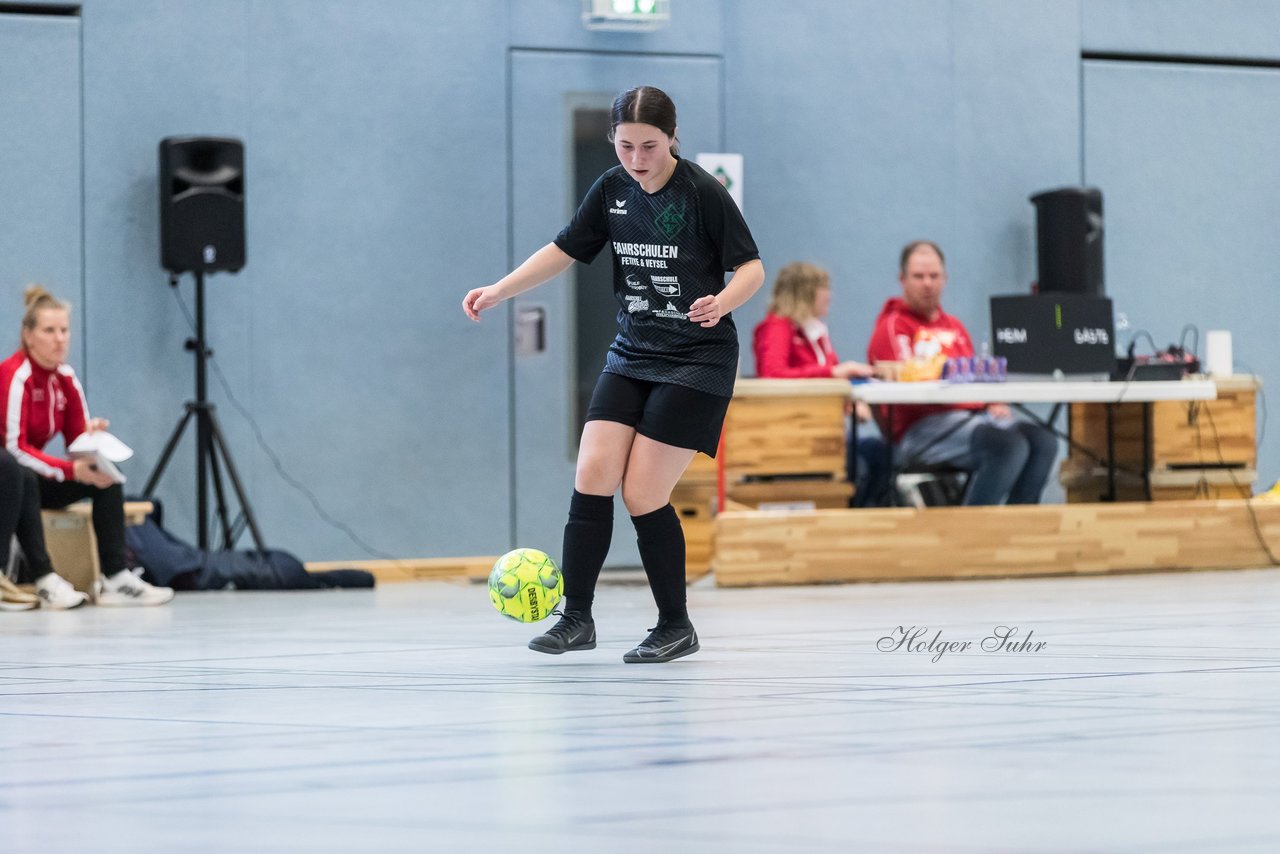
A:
(42, 398)
(793, 342)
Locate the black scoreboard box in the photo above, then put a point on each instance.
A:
(1050, 333)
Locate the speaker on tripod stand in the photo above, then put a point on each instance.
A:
(202, 231)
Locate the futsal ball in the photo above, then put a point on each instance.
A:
(525, 585)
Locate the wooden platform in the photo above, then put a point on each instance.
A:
(897, 544)
(784, 493)
(473, 569)
(694, 502)
(1090, 485)
(415, 569)
(784, 443)
(785, 427)
(1184, 434)
(72, 544)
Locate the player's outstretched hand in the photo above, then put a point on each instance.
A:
(705, 311)
(477, 300)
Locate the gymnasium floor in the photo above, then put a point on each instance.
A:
(412, 718)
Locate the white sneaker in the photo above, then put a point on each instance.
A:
(57, 594)
(126, 587)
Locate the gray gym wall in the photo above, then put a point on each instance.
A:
(376, 141)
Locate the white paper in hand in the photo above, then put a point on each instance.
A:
(105, 449)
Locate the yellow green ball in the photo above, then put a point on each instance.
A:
(525, 584)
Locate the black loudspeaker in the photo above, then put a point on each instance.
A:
(1069, 240)
(201, 204)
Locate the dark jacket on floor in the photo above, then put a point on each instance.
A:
(170, 562)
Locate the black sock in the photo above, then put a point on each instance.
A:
(661, 541)
(587, 535)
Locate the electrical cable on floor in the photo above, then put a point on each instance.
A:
(275, 460)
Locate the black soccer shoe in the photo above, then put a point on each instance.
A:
(572, 632)
(666, 641)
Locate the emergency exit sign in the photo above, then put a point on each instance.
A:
(634, 15)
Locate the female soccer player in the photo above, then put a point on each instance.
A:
(669, 373)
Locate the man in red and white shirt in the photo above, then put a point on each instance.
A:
(1008, 460)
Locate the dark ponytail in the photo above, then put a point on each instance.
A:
(646, 105)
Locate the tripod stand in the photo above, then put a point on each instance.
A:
(210, 444)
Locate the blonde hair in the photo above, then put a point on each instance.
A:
(796, 290)
(37, 299)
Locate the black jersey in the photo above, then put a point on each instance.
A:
(669, 249)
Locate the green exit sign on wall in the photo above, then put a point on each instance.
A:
(633, 15)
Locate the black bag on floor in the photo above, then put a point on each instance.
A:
(169, 562)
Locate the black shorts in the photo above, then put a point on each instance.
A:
(672, 414)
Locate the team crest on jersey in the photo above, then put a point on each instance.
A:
(671, 221)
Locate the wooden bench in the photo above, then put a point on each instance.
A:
(72, 544)
(786, 428)
(1085, 485)
(901, 544)
(1197, 449)
(1200, 467)
(783, 443)
(415, 569)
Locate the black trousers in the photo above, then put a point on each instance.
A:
(20, 514)
(108, 516)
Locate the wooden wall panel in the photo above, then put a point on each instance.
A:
(823, 546)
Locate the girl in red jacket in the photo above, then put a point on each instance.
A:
(793, 342)
(41, 398)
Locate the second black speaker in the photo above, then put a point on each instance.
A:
(1069, 229)
(201, 204)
